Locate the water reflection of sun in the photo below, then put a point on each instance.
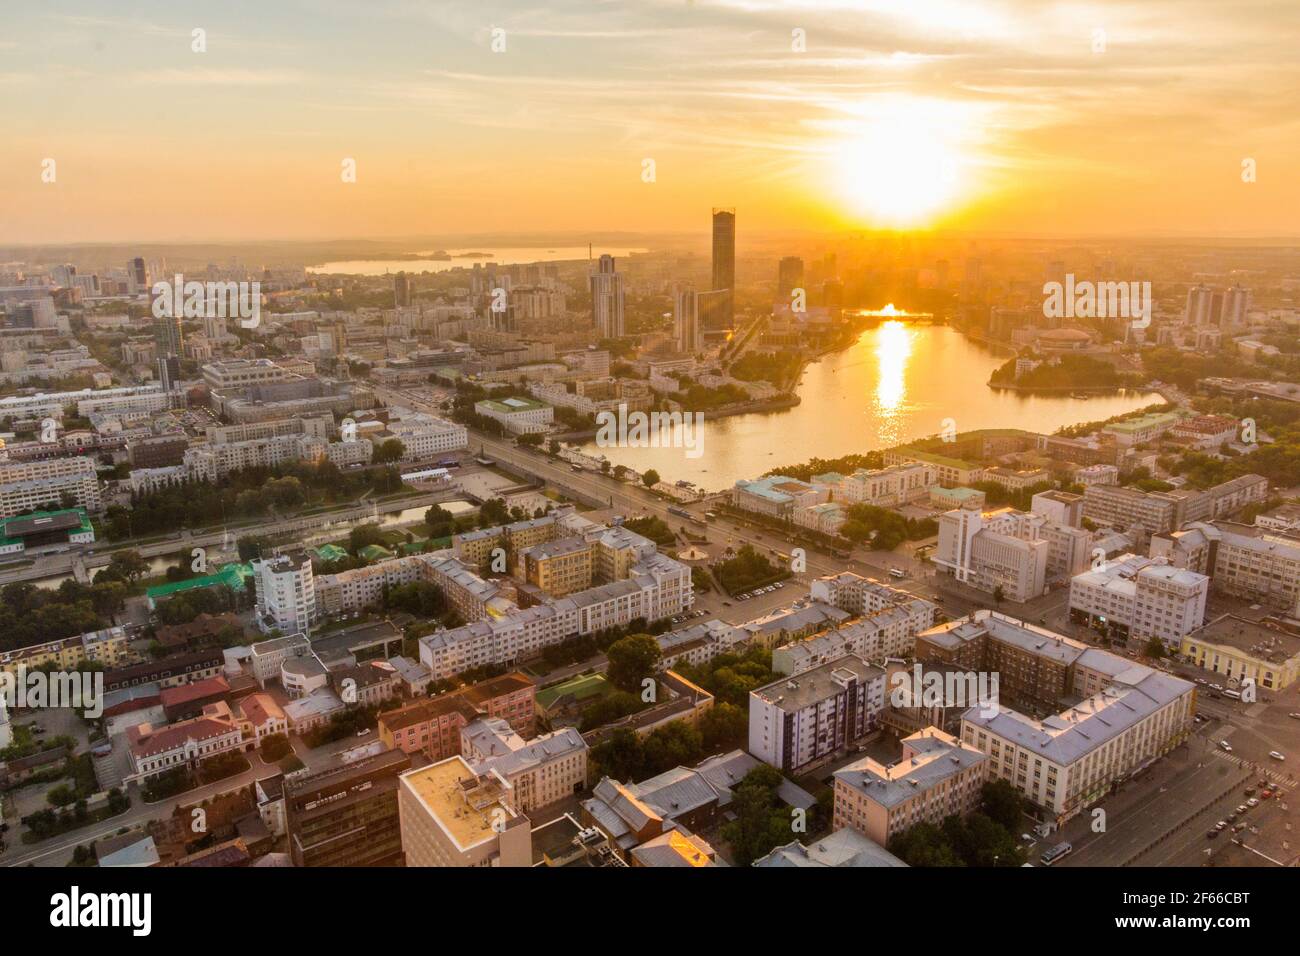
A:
(893, 351)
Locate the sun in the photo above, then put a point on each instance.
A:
(901, 163)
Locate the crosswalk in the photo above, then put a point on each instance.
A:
(1281, 779)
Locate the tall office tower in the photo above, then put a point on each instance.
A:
(401, 290)
(64, 275)
(607, 299)
(168, 335)
(686, 321)
(137, 277)
(1199, 302)
(724, 265)
(169, 372)
(1236, 303)
(789, 276)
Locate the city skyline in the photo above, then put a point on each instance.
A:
(1004, 118)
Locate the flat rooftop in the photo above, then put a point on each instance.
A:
(1265, 643)
(461, 804)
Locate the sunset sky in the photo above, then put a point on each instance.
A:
(982, 116)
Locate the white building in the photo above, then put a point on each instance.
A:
(286, 594)
(31, 485)
(1066, 762)
(994, 550)
(1142, 599)
(542, 771)
(795, 722)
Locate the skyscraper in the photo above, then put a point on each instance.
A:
(1236, 303)
(401, 290)
(789, 276)
(724, 265)
(607, 299)
(168, 335)
(686, 321)
(137, 277)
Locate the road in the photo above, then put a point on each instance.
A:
(56, 564)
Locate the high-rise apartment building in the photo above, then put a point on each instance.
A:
(607, 299)
(724, 267)
(686, 321)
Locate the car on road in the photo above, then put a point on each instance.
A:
(1225, 746)
(1221, 824)
(1212, 835)
(1242, 808)
(1296, 716)
(726, 604)
(1276, 755)
(363, 732)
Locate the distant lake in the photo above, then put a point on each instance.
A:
(501, 256)
(896, 383)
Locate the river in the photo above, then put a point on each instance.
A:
(896, 383)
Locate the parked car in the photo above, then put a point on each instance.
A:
(1225, 746)
(1276, 755)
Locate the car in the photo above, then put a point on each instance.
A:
(726, 604)
(1221, 825)
(1225, 746)
(1276, 755)
(1265, 794)
(778, 585)
(1231, 818)
(1252, 802)
(1238, 827)
(1199, 719)
(1296, 716)
(1242, 808)
(363, 732)
(1212, 835)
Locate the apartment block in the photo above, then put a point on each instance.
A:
(1137, 598)
(796, 722)
(937, 777)
(541, 771)
(1065, 762)
(1245, 561)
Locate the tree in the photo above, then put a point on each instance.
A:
(723, 727)
(253, 546)
(128, 565)
(760, 823)
(1003, 804)
(650, 478)
(631, 660)
(389, 451)
(1154, 648)
(363, 536)
(998, 594)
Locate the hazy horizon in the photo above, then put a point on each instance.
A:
(1116, 120)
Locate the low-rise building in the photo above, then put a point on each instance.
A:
(937, 777)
